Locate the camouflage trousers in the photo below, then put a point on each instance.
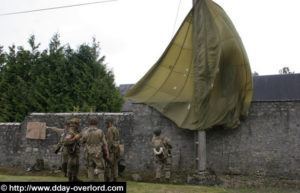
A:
(112, 169)
(163, 166)
(95, 162)
(73, 166)
(64, 161)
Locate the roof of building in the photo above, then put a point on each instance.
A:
(283, 87)
(280, 87)
(124, 88)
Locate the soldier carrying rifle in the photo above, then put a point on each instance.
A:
(71, 144)
(59, 146)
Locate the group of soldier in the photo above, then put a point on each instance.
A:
(102, 151)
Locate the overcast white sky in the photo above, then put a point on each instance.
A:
(134, 33)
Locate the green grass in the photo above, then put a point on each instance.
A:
(7, 178)
(137, 187)
(133, 187)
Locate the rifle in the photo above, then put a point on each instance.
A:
(58, 147)
(75, 144)
(105, 153)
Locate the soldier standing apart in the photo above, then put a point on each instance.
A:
(113, 141)
(162, 151)
(71, 144)
(96, 145)
(59, 146)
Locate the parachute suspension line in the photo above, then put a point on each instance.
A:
(176, 16)
(59, 7)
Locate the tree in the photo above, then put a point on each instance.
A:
(2, 57)
(57, 79)
(285, 70)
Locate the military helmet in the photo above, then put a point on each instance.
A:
(74, 122)
(157, 132)
(93, 120)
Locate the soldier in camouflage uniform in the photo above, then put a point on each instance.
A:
(71, 144)
(85, 154)
(113, 141)
(96, 145)
(59, 146)
(162, 151)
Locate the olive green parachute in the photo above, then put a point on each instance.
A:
(203, 79)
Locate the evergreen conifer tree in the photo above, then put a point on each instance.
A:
(57, 79)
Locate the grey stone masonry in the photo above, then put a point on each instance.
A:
(16, 150)
(10, 146)
(266, 143)
(145, 121)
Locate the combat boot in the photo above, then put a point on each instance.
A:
(64, 169)
(157, 180)
(75, 179)
(70, 177)
(167, 180)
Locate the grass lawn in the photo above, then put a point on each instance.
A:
(8, 178)
(138, 187)
(134, 187)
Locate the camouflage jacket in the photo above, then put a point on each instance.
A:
(166, 145)
(70, 142)
(113, 138)
(94, 139)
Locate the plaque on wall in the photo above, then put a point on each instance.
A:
(36, 130)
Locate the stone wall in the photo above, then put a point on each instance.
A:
(10, 145)
(136, 132)
(146, 120)
(16, 150)
(267, 142)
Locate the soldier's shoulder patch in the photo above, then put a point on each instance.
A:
(69, 136)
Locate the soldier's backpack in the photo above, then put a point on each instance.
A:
(92, 148)
(158, 148)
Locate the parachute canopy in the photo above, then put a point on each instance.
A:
(203, 78)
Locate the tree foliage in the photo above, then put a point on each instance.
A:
(286, 70)
(57, 79)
